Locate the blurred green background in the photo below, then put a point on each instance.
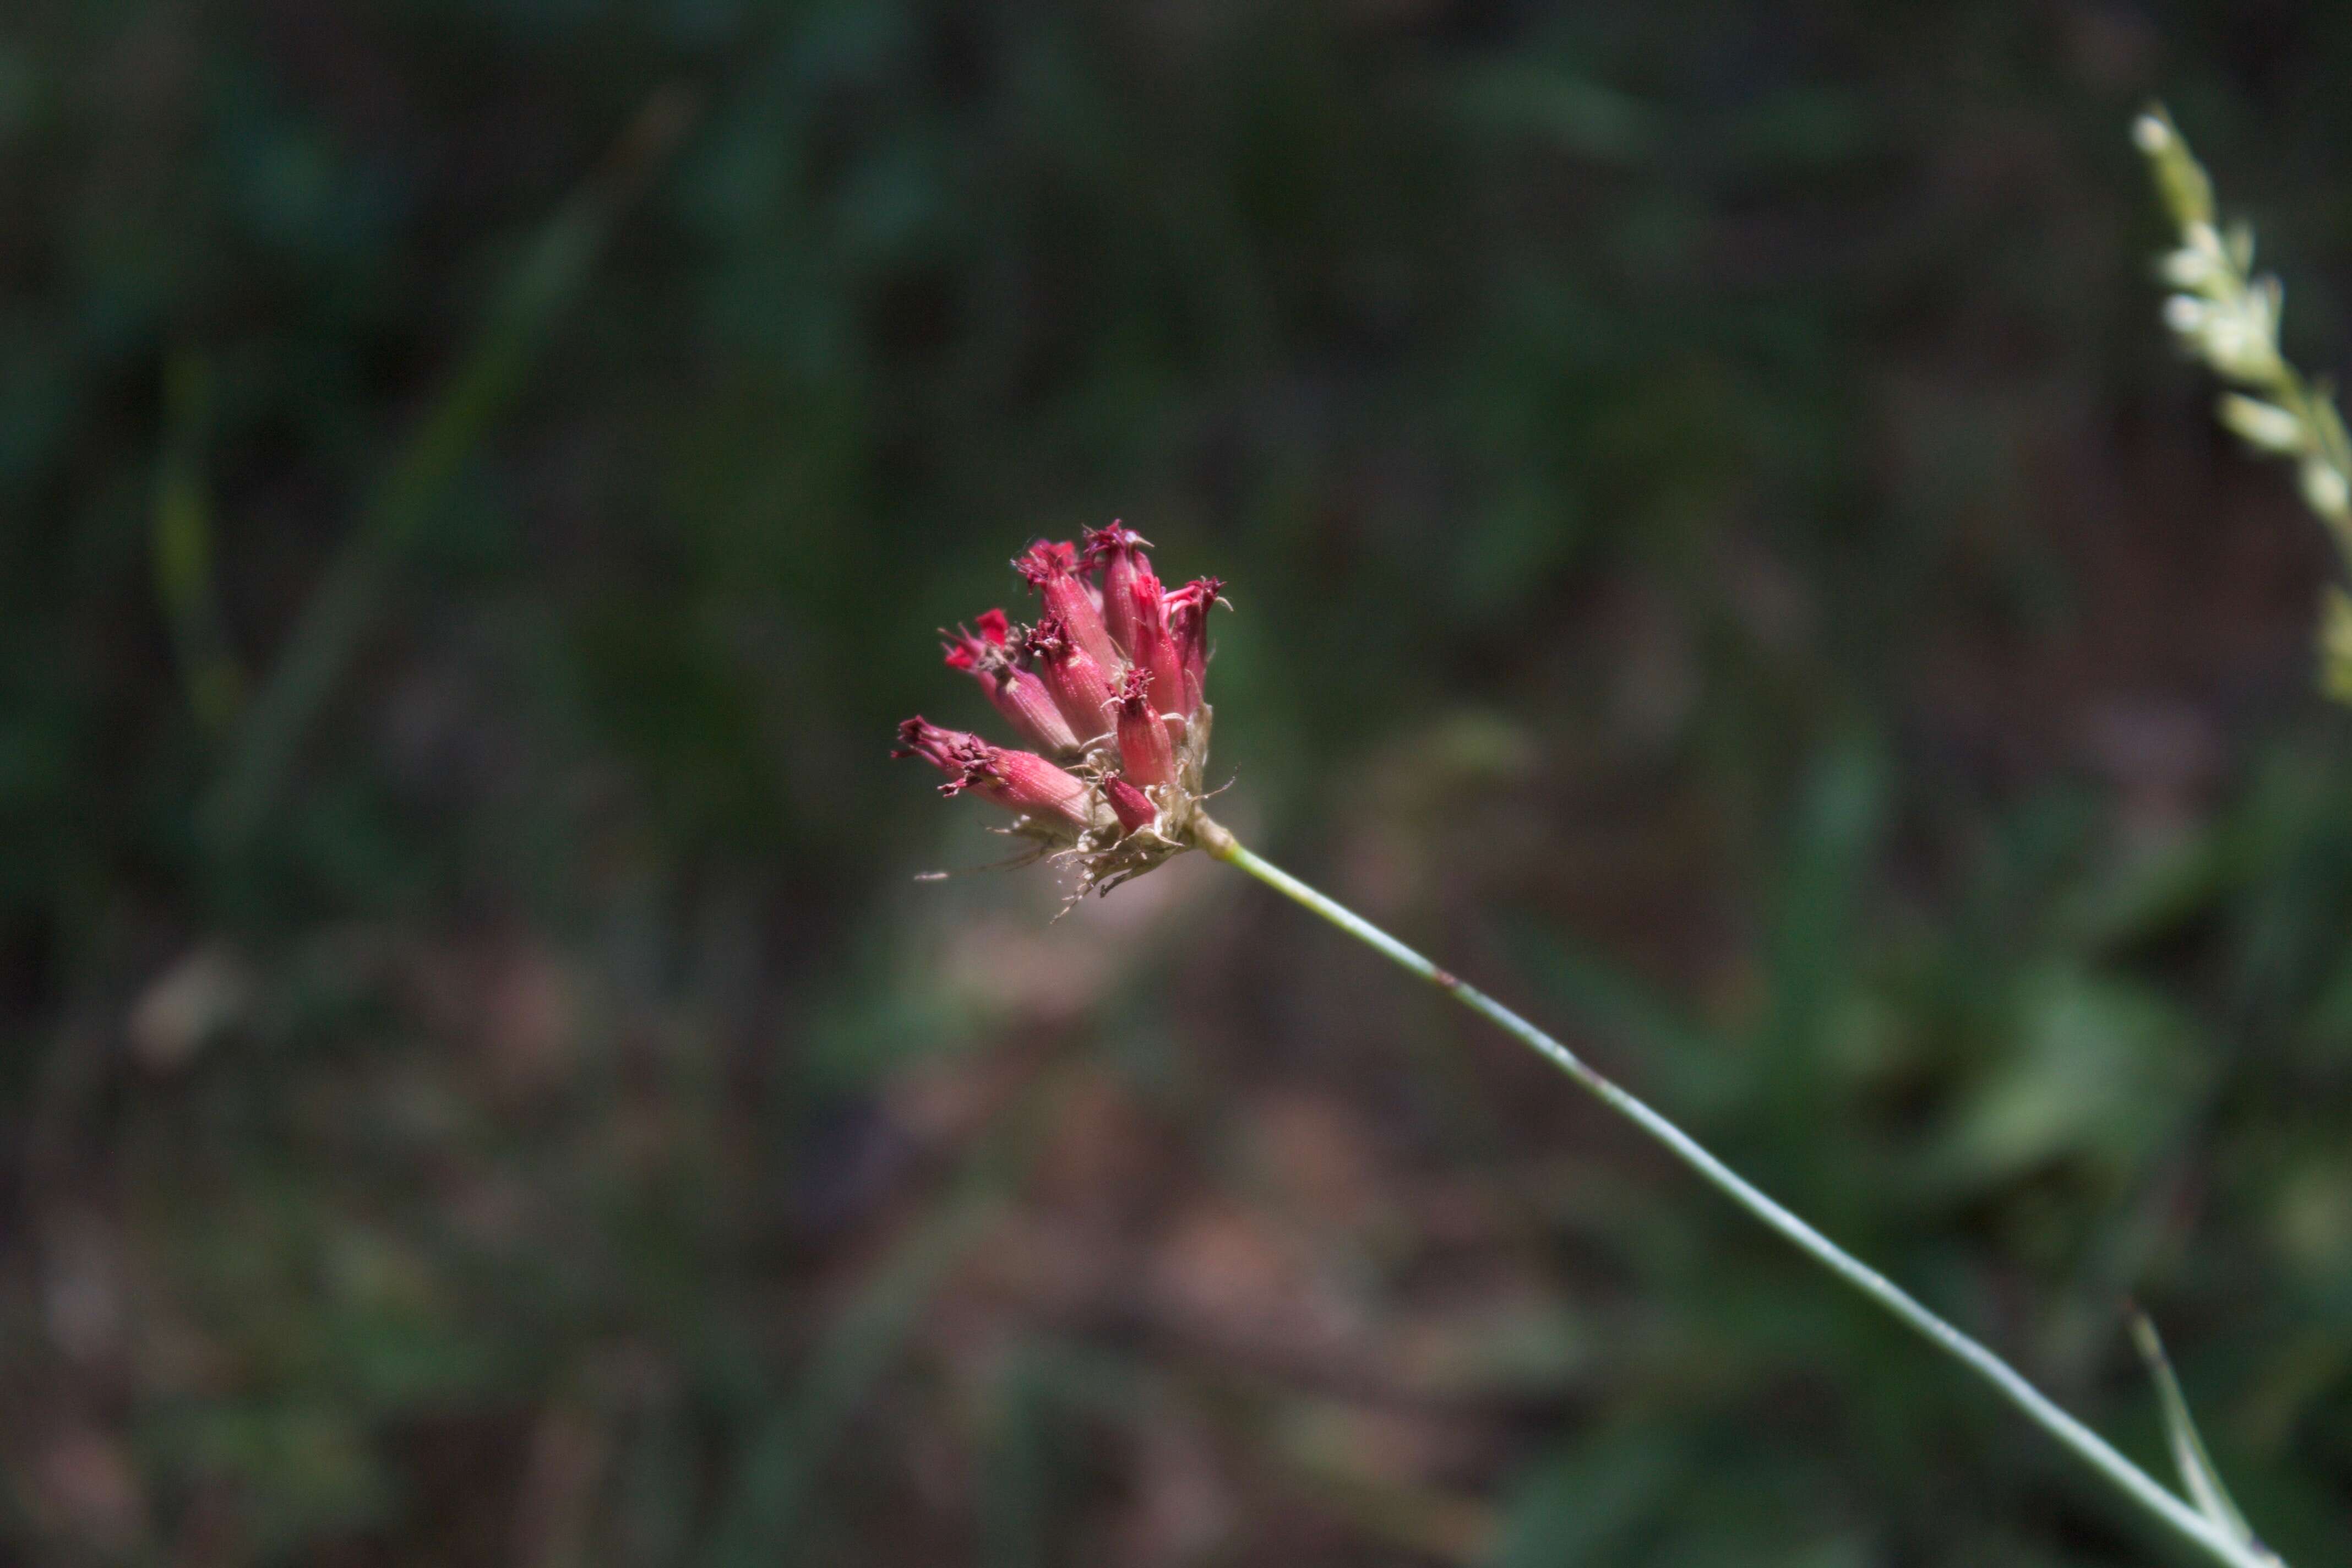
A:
(1723, 553)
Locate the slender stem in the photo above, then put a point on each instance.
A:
(2094, 1449)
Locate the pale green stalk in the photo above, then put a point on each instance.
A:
(2210, 1537)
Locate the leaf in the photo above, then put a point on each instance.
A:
(2197, 1476)
(541, 285)
(2099, 1070)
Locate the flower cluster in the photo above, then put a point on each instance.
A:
(2227, 316)
(1106, 685)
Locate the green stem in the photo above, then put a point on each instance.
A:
(2094, 1449)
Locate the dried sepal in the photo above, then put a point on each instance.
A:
(1126, 849)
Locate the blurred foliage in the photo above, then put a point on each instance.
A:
(1721, 549)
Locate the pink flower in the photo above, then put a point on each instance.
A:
(1145, 752)
(1117, 553)
(1124, 711)
(1080, 688)
(1188, 628)
(1014, 692)
(966, 651)
(1132, 604)
(1052, 569)
(1020, 781)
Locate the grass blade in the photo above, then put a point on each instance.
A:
(181, 551)
(546, 280)
(2198, 1477)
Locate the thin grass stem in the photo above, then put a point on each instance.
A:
(2151, 1497)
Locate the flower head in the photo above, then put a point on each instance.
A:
(1107, 684)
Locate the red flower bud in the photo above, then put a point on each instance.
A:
(1079, 687)
(1155, 647)
(1020, 696)
(1129, 805)
(1117, 552)
(1052, 569)
(1145, 752)
(1132, 607)
(1188, 628)
(1021, 782)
